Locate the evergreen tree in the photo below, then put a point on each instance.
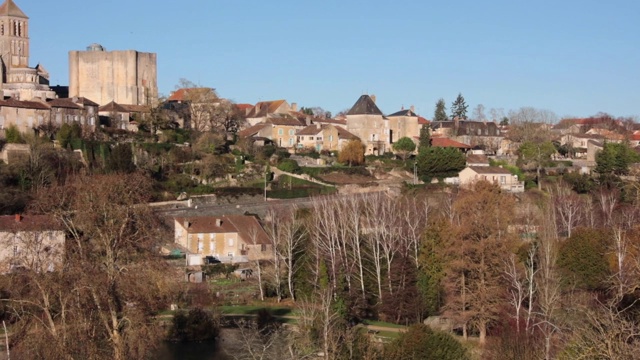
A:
(440, 113)
(425, 137)
(459, 108)
(439, 162)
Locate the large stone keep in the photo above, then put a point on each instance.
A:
(125, 77)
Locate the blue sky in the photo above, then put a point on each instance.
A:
(572, 57)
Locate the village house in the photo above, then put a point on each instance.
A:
(267, 109)
(123, 116)
(492, 174)
(403, 123)
(33, 242)
(26, 116)
(365, 120)
(280, 130)
(484, 134)
(323, 137)
(230, 238)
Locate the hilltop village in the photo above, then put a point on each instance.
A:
(131, 222)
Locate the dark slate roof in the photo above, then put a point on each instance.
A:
(364, 106)
(407, 112)
(9, 8)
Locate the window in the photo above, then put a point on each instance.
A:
(330, 137)
(291, 132)
(280, 132)
(230, 242)
(310, 137)
(319, 138)
(290, 141)
(503, 180)
(263, 247)
(200, 246)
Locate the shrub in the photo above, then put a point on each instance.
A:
(289, 165)
(422, 343)
(13, 136)
(196, 325)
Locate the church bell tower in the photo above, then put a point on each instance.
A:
(14, 37)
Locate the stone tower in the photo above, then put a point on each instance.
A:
(18, 79)
(14, 37)
(125, 77)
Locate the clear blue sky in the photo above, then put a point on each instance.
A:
(572, 57)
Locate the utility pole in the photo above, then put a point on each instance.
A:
(415, 173)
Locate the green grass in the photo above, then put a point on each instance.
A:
(383, 324)
(253, 309)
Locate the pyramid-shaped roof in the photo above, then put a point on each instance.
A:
(364, 106)
(9, 8)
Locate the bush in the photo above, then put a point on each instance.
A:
(196, 325)
(582, 259)
(422, 343)
(13, 136)
(290, 166)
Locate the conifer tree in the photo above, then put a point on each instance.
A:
(440, 113)
(459, 108)
(425, 137)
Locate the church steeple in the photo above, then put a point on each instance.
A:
(14, 36)
(9, 8)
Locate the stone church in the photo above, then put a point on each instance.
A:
(18, 79)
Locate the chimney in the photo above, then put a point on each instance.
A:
(218, 222)
(18, 217)
(294, 106)
(318, 125)
(413, 109)
(186, 224)
(373, 97)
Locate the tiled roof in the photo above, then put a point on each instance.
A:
(477, 159)
(9, 8)
(489, 170)
(112, 106)
(264, 108)
(364, 106)
(28, 223)
(423, 121)
(250, 131)
(115, 107)
(406, 112)
(247, 227)
(310, 130)
(11, 102)
(84, 101)
(344, 134)
(284, 121)
(446, 142)
(330, 121)
(63, 103)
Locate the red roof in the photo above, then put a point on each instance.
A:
(28, 223)
(446, 142)
(423, 121)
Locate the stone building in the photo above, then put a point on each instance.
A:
(125, 77)
(18, 79)
(366, 121)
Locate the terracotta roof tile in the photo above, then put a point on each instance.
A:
(489, 170)
(446, 142)
(11, 102)
(247, 226)
(63, 103)
(28, 223)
